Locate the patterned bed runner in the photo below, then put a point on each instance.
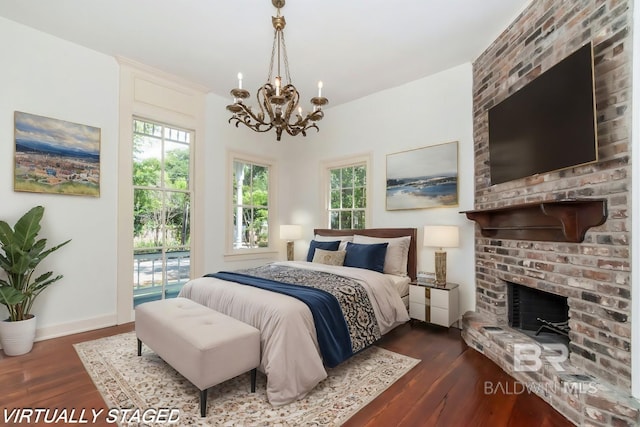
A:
(352, 298)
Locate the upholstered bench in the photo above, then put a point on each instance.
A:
(205, 346)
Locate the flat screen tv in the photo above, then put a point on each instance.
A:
(549, 124)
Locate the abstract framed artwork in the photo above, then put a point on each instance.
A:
(55, 156)
(423, 178)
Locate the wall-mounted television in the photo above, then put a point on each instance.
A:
(549, 124)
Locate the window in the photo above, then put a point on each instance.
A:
(251, 201)
(161, 209)
(347, 194)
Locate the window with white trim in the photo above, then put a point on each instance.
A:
(347, 193)
(250, 203)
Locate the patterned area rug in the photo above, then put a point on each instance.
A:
(128, 381)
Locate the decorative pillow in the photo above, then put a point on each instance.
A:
(328, 246)
(397, 257)
(370, 257)
(329, 257)
(343, 240)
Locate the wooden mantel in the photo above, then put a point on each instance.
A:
(554, 220)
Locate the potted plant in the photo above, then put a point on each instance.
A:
(20, 254)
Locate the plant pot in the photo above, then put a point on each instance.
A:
(17, 337)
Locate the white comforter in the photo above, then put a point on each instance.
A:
(290, 355)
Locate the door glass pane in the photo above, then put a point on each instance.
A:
(147, 275)
(147, 158)
(178, 270)
(176, 168)
(147, 219)
(177, 222)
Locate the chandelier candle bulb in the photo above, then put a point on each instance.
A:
(239, 81)
(320, 89)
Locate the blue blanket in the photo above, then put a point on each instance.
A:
(331, 327)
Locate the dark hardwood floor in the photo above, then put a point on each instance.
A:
(452, 386)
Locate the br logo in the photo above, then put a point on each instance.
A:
(529, 357)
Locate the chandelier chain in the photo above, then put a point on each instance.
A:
(273, 54)
(286, 59)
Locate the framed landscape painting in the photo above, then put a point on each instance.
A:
(423, 178)
(55, 156)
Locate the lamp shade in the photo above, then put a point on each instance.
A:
(441, 236)
(290, 232)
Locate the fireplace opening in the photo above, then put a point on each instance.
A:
(541, 315)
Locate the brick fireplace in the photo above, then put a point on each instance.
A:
(593, 274)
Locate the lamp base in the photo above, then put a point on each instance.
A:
(441, 268)
(290, 250)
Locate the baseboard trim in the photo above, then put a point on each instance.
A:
(75, 327)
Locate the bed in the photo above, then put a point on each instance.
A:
(293, 344)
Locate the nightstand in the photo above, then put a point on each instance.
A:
(434, 304)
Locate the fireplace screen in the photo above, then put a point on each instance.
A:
(537, 311)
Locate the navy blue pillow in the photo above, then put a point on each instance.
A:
(327, 246)
(370, 257)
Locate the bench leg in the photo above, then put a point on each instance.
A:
(203, 403)
(253, 379)
(139, 347)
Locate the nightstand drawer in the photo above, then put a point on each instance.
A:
(440, 316)
(419, 311)
(440, 298)
(419, 294)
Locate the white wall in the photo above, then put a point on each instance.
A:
(426, 112)
(46, 76)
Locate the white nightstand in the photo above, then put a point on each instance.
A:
(434, 304)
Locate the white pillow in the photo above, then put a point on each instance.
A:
(322, 256)
(343, 240)
(395, 261)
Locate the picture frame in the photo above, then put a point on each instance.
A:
(55, 156)
(423, 178)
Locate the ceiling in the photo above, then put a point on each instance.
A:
(355, 47)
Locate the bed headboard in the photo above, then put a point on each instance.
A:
(412, 264)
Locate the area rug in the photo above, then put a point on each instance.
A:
(131, 382)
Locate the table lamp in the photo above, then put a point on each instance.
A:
(290, 233)
(441, 236)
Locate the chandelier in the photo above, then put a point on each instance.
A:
(278, 103)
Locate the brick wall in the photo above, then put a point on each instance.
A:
(595, 274)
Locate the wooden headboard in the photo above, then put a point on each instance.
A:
(412, 264)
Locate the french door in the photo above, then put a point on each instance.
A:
(162, 194)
